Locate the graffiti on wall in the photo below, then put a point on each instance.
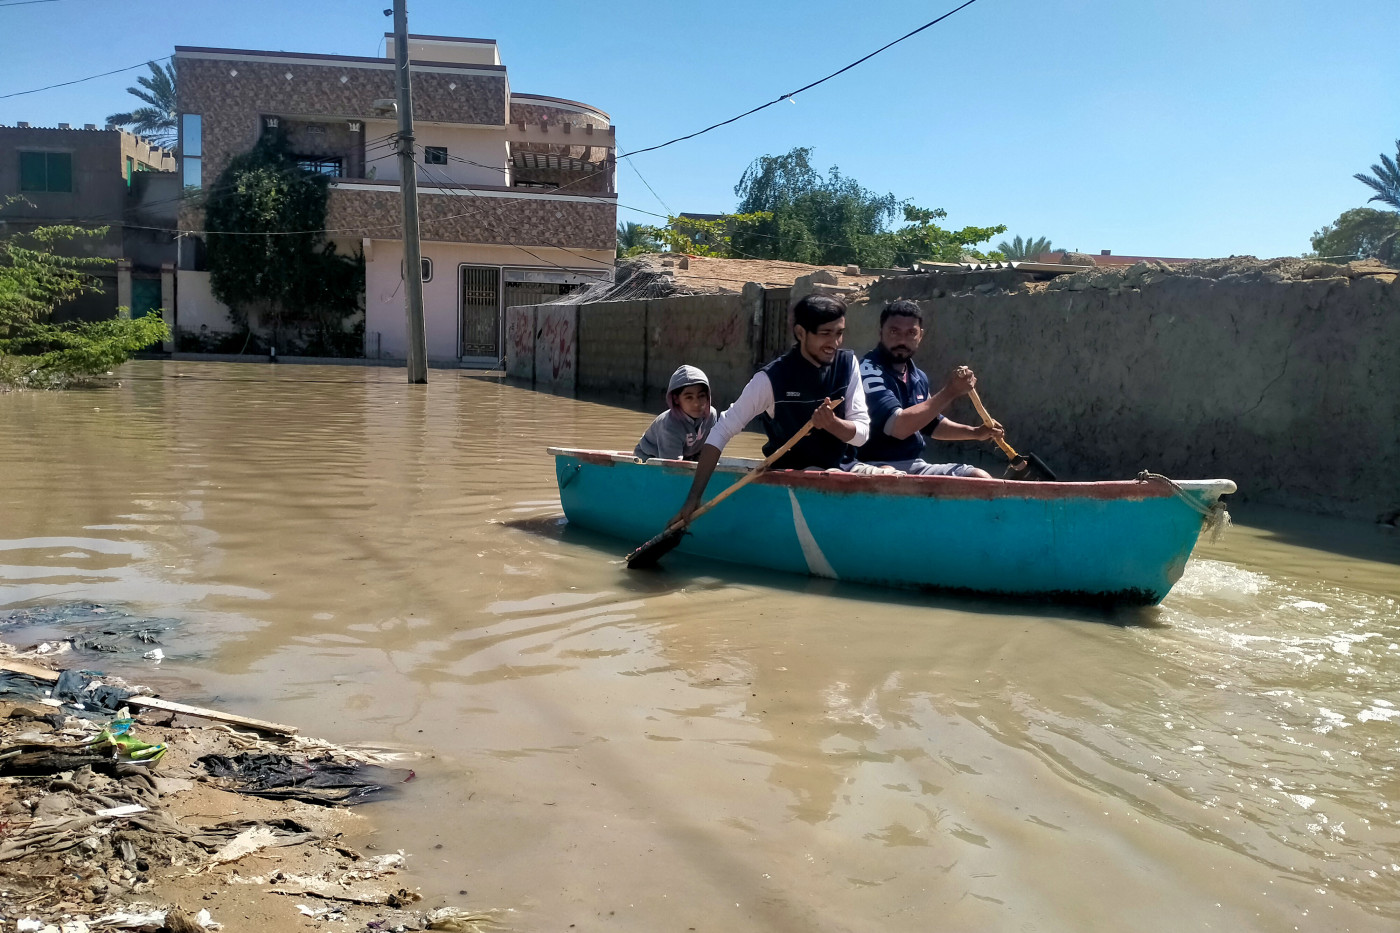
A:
(520, 341)
(556, 344)
(689, 333)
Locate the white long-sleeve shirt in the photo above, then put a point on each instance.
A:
(757, 399)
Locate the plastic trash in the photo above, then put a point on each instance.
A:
(116, 735)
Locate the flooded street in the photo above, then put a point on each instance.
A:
(714, 748)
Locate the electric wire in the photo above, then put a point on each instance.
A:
(104, 74)
(805, 87)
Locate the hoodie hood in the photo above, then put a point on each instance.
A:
(687, 376)
(675, 435)
(682, 377)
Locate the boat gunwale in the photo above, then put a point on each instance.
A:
(932, 487)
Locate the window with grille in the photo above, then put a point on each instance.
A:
(329, 167)
(434, 155)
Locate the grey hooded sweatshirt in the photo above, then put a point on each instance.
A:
(674, 435)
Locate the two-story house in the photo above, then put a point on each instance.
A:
(91, 177)
(517, 192)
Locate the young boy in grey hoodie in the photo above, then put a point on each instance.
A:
(679, 432)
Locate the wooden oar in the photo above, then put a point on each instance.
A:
(1022, 465)
(658, 547)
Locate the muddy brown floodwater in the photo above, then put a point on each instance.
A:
(714, 748)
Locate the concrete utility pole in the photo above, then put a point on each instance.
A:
(408, 182)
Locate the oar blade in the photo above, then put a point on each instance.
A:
(648, 555)
(1028, 466)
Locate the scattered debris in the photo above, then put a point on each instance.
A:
(104, 823)
(315, 780)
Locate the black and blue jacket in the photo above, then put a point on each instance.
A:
(888, 390)
(798, 388)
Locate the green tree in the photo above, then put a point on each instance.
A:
(1384, 179)
(704, 237)
(823, 220)
(1360, 233)
(634, 238)
(34, 281)
(156, 120)
(834, 220)
(267, 251)
(924, 240)
(1029, 248)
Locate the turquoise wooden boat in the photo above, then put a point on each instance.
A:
(1105, 542)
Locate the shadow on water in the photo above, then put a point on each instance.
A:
(691, 572)
(1346, 537)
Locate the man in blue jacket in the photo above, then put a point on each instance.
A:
(903, 412)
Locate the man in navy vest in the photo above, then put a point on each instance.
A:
(792, 390)
(902, 409)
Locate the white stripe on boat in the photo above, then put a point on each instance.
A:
(817, 564)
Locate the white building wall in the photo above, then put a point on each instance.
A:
(196, 306)
(386, 320)
(487, 146)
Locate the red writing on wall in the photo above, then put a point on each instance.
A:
(687, 334)
(520, 335)
(557, 341)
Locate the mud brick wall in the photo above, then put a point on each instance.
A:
(632, 347)
(708, 331)
(520, 343)
(556, 347)
(612, 338)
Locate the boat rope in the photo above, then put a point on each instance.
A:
(1215, 519)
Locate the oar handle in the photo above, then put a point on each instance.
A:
(772, 458)
(987, 420)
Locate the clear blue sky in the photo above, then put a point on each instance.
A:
(1189, 128)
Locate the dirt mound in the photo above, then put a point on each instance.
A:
(1243, 269)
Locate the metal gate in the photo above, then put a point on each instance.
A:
(145, 297)
(777, 332)
(481, 311)
(535, 293)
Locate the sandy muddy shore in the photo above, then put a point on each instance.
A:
(92, 838)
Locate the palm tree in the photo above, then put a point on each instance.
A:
(1386, 182)
(631, 236)
(1024, 249)
(156, 121)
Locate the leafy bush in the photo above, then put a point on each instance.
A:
(34, 281)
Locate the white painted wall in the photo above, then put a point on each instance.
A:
(196, 306)
(386, 321)
(487, 146)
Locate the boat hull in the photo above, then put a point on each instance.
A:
(1116, 542)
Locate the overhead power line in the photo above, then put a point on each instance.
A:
(104, 74)
(805, 87)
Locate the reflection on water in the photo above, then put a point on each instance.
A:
(712, 746)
